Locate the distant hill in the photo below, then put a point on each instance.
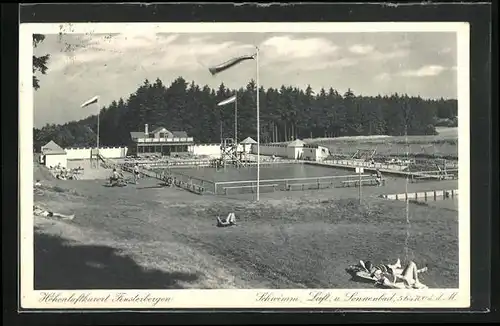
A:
(286, 113)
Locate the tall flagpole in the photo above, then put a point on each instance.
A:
(258, 125)
(98, 118)
(236, 119)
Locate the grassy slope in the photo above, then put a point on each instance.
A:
(165, 238)
(445, 143)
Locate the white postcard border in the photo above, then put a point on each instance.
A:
(244, 298)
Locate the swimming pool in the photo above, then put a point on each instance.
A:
(278, 171)
(215, 180)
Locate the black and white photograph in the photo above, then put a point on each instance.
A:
(244, 165)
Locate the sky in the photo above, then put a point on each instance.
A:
(115, 65)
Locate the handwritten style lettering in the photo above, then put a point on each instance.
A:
(270, 297)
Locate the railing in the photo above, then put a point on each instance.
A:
(249, 161)
(426, 195)
(354, 163)
(448, 174)
(165, 140)
(184, 181)
(287, 184)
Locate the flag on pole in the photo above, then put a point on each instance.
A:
(93, 100)
(228, 64)
(227, 101)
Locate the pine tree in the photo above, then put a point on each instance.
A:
(285, 113)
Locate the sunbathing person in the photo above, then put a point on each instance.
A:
(230, 220)
(370, 268)
(38, 211)
(393, 275)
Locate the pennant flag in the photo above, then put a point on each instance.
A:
(93, 100)
(228, 64)
(227, 101)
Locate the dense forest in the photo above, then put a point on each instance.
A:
(285, 113)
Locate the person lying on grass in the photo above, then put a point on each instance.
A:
(394, 275)
(38, 211)
(230, 220)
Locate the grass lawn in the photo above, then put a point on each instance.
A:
(143, 236)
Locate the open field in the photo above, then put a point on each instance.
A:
(146, 236)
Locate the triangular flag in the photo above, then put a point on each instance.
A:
(228, 64)
(227, 101)
(93, 100)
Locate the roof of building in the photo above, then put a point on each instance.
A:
(180, 134)
(248, 140)
(159, 129)
(176, 134)
(136, 134)
(52, 148)
(296, 143)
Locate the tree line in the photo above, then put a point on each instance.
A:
(286, 113)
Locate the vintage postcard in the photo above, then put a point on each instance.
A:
(244, 165)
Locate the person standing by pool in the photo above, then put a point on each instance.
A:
(137, 173)
(379, 177)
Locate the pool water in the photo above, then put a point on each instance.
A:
(278, 171)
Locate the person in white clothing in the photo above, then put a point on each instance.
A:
(230, 220)
(38, 211)
(392, 275)
(137, 173)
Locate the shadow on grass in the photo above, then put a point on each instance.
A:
(157, 186)
(62, 266)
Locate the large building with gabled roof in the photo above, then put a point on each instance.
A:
(160, 141)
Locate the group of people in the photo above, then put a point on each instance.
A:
(117, 177)
(393, 275)
(62, 173)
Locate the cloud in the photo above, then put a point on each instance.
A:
(136, 51)
(425, 71)
(114, 65)
(288, 48)
(383, 56)
(316, 65)
(383, 77)
(361, 49)
(445, 50)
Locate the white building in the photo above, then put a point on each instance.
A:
(247, 144)
(53, 155)
(295, 149)
(313, 152)
(160, 141)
